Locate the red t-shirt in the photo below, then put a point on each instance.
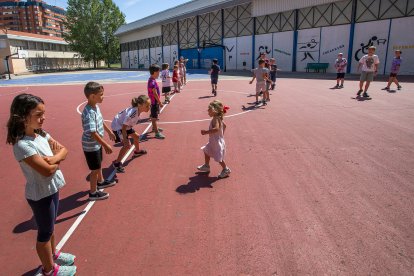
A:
(175, 76)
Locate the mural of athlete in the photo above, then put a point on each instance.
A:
(364, 47)
(263, 51)
(395, 68)
(308, 46)
(369, 64)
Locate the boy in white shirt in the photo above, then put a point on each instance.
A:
(340, 66)
(166, 81)
(369, 64)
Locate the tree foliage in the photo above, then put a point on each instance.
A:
(91, 25)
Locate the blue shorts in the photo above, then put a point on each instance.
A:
(45, 212)
(214, 80)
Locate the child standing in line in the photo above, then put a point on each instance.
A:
(180, 84)
(216, 146)
(395, 68)
(340, 66)
(261, 75)
(39, 156)
(273, 72)
(369, 65)
(92, 140)
(181, 69)
(154, 95)
(122, 126)
(268, 82)
(175, 79)
(184, 62)
(166, 81)
(214, 74)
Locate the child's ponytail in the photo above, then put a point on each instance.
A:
(219, 108)
(142, 99)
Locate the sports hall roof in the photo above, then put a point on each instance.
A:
(189, 9)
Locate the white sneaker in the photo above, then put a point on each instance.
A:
(224, 173)
(204, 168)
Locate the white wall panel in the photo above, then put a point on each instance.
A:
(144, 57)
(156, 56)
(263, 45)
(334, 40)
(403, 40)
(307, 48)
(174, 53)
(124, 60)
(244, 53)
(133, 59)
(282, 50)
(231, 53)
(370, 33)
(167, 55)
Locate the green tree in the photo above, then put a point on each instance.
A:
(91, 25)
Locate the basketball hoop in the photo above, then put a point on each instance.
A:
(22, 54)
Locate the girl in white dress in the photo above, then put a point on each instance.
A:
(216, 146)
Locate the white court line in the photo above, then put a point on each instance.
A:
(179, 122)
(75, 225)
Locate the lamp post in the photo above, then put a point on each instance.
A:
(7, 63)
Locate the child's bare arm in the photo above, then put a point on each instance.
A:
(105, 145)
(125, 136)
(214, 129)
(109, 131)
(59, 152)
(224, 126)
(154, 92)
(40, 165)
(254, 77)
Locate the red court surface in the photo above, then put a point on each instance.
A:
(321, 184)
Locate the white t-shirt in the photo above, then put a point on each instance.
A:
(340, 65)
(129, 117)
(37, 185)
(166, 80)
(368, 63)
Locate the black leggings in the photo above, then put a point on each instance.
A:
(45, 213)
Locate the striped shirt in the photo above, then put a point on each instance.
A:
(92, 121)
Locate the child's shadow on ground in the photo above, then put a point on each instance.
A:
(32, 272)
(69, 203)
(206, 97)
(252, 107)
(392, 91)
(361, 99)
(200, 180)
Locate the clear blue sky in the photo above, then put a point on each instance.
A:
(134, 9)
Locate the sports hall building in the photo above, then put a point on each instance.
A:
(294, 32)
(25, 52)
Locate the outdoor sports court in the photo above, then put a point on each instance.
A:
(321, 184)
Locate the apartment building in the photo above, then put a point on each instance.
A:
(32, 16)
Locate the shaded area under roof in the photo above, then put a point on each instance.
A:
(182, 11)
